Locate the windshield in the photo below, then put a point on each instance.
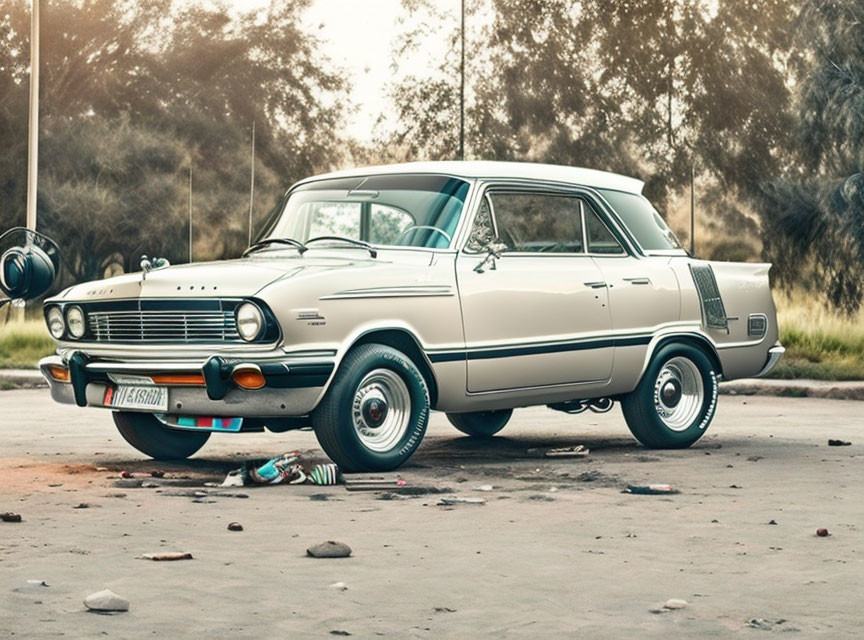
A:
(395, 210)
(642, 220)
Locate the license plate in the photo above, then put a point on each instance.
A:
(139, 397)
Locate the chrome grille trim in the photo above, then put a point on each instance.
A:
(180, 325)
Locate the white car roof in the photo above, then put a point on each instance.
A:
(490, 170)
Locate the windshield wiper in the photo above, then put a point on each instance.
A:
(301, 248)
(356, 243)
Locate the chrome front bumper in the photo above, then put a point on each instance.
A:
(774, 354)
(293, 386)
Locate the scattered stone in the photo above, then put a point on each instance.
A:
(106, 601)
(444, 610)
(772, 522)
(10, 517)
(839, 443)
(389, 495)
(339, 632)
(541, 498)
(235, 526)
(754, 458)
(166, 557)
(764, 624)
(734, 486)
(339, 586)
(82, 505)
(485, 487)
(675, 603)
(37, 583)
(329, 549)
(822, 533)
(319, 497)
(149, 485)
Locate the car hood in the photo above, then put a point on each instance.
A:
(222, 279)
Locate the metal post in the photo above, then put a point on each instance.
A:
(692, 208)
(190, 210)
(33, 139)
(252, 185)
(462, 88)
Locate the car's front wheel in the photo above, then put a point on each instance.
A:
(152, 438)
(480, 424)
(375, 412)
(676, 399)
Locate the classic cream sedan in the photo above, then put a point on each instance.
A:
(378, 294)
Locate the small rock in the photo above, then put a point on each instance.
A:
(37, 583)
(149, 485)
(485, 487)
(754, 458)
(444, 610)
(772, 522)
(767, 625)
(10, 517)
(82, 505)
(822, 533)
(339, 632)
(106, 600)
(329, 549)
(839, 443)
(339, 586)
(675, 603)
(235, 526)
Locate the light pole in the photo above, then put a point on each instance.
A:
(252, 184)
(33, 126)
(462, 86)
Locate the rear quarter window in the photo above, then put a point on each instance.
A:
(642, 220)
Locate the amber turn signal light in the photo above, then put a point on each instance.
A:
(248, 378)
(60, 374)
(179, 379)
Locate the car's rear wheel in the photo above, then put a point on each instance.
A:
(480, 424)
(676, 399)
(152, 438)
(375, 412)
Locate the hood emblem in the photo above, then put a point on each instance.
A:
(148, 265)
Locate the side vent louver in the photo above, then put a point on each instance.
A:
(713, 312)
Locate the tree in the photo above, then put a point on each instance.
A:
(813, 212)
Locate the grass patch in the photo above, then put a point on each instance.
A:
(819, 344)
(23, 344)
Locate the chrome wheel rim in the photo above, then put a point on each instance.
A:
(679, 393)
(381, 410)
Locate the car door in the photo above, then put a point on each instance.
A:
(538, 315)
(643, 292)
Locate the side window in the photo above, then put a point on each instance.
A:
(538, 222)
(600, 239)
(386, 224)
(483, 232)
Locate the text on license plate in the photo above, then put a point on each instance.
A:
(144, 397)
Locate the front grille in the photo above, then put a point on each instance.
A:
(163, 326)
(713, 311)
(177, 321)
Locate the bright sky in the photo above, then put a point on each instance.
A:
(358, 36)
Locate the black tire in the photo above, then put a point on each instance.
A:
(152, 438)
(334, 418)
(642, 407)
(480, 424)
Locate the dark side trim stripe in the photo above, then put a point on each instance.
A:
(531, 350)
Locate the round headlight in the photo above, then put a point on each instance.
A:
(56, 325)
(250, 321)
(75, 322)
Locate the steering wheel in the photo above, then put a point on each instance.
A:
(423, 226)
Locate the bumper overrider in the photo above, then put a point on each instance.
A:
(219, 386)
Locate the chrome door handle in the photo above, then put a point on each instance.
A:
(638, 280)
(595, 285)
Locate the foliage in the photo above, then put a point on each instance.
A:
(134, 95)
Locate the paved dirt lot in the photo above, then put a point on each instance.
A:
(557, 550)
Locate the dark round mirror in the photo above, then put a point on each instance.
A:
(27, 271)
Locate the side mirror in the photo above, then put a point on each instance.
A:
(493, 250)
(28, 269)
